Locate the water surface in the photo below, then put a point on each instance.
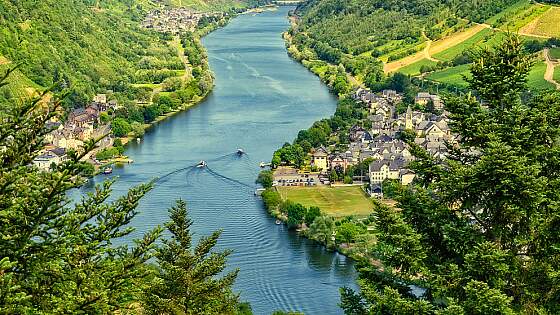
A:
(262, 98)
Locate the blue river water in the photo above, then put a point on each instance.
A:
(261, 99)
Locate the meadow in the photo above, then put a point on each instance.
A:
(452, 76)
(333, 201)
(414, 69)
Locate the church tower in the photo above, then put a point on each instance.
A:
(408, 119)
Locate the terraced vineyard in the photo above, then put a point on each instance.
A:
(476, 40)
(546, 25)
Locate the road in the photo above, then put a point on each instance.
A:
(550, 65)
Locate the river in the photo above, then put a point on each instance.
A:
(261, 99)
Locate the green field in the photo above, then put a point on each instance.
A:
(536, 77)
(554, 53)
(557, 74)
(477, 39)
(336, 202)
(453, 75)
(414, 69)
(517, 22)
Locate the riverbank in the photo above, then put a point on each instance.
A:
(342, 231)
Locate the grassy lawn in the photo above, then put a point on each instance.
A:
(414, 69)
(336, 202)
(548, 24)
(554, 53)
(557, 74)
(477, 39)
(453, 75)
(536, 77)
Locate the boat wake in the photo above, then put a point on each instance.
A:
(232, 180)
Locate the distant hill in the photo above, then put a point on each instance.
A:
(410, 36)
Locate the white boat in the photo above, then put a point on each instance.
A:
(107, 171)
(201, 164)
(240, 152)
(278, 222)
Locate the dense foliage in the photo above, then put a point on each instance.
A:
(61, 256)
(87, 45)
(478, 232)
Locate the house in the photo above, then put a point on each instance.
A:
(381, 170)
(319, 159)
(45, 161)
(406, 176)
(338, 161)
(359, 134)
(390, 94)
(100, 99)
(423, 98)
(79, 117)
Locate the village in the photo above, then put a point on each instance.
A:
(177, 20)
(82, 124)
(379, 146)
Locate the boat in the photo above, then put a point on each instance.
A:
(138, 140)
(263, 164)
(201, 164)
(278, 222)
(107, 171)
(240, 152)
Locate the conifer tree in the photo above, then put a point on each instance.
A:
(189, 281)
(478, 233)
(57, 257)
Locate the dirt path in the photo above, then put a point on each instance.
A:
(427, 53)
(181, 53)
(433, 48)
(550, 65)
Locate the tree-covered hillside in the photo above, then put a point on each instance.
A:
(88, 45)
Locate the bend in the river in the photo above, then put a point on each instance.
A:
(261, 99)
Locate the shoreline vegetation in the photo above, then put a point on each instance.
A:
(346, 235)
